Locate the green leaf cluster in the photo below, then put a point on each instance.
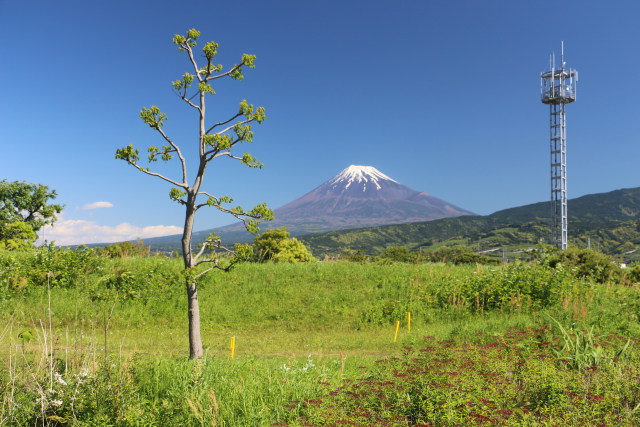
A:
(176, 194)
(16, 236)
(252, 162)
(206, 88)
(251, 112)
(153, 117)
(183, 83)
(165, 153)
(188, 40)
(128, 154)
(210, 50)
(218, 142)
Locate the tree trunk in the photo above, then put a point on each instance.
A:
(195, 340)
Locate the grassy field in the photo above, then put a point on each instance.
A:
(92, 341)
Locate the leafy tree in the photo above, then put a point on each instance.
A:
(275, 245)
(16, 236)
(28, 203)
(215, 140)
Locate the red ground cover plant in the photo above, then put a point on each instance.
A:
(523, 377)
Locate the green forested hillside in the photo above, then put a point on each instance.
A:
(609, 221)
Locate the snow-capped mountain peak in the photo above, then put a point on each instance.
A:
(359, 196)
(360, 174)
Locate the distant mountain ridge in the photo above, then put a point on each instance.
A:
(610, 221)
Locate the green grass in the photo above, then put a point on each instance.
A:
(300, 330)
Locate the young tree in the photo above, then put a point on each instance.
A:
(214, 141)
(28, 203)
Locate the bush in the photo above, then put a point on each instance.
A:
(47, 265)
(275, 245)
(397, 254)
(452, 255)
(354, 255)
(125, 249)
(583, 263)
(460, 255)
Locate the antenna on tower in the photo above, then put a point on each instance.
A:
(558, 89)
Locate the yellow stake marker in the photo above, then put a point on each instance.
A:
(232, 347)
(408, 321)
(395, 335)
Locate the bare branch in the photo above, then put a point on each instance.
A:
(179, 153)
(224, 123)
(206, 194)
(222, 154)
(213, 268)
(193, 61)
(201, 251)
(218, 76)
(227, 129)
(141, 169)
(188, 101)
(204, 246)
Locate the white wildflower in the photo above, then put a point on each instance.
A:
(59, 379)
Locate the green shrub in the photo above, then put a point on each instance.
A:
(352, 255)
(396, 254)
(125, 249)
(459, 255)
(47, 266)
(583, 263)
(452, 255)
(514, 287)
(275, 245)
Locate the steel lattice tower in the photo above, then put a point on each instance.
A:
(558, 89)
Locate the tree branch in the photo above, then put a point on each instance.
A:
(179, 153)
(204, 246)
(224, 123)
(188, 101)
(193, 61)
(227, 129)
(214, 268)
(141, 169)
(218, 76)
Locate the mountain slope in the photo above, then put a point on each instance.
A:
(610, 220)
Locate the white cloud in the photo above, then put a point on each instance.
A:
(97, 205)
(78, 231)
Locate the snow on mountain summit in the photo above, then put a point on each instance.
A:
(360, 174)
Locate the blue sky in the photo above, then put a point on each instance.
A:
(442, 96)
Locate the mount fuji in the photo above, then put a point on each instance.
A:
(359, 196)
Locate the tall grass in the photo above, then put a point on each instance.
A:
(93, 341)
